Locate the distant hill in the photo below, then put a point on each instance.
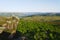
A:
(11, 14)
(23, 14)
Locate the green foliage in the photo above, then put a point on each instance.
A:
(36, 30)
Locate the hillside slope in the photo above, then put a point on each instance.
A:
(40, 27)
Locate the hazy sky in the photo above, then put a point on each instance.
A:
(29, 5)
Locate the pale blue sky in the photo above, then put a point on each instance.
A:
(29, 5)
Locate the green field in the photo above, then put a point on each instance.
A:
(40, 27)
